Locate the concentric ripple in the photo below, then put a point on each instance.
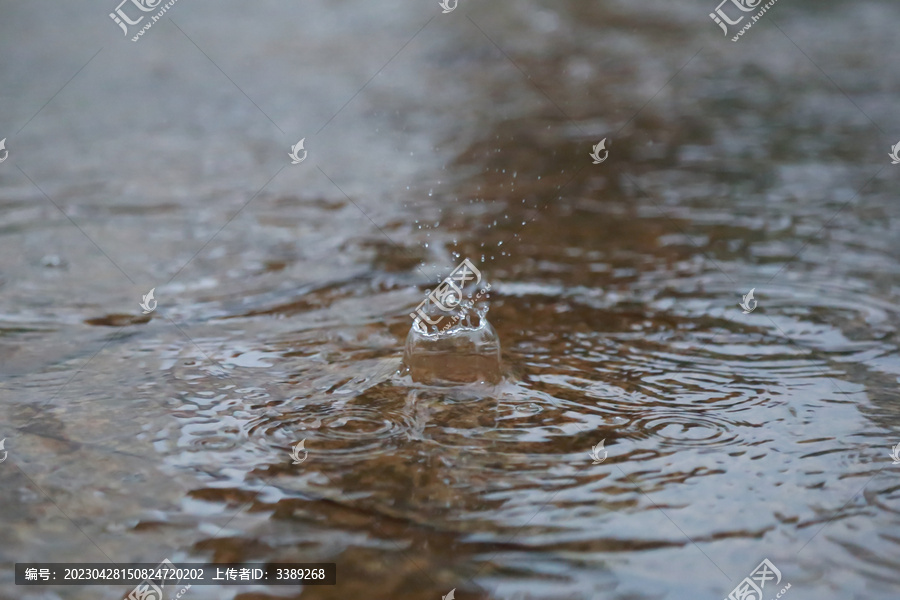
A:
(345, 434)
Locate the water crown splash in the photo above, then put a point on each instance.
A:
(451, 341)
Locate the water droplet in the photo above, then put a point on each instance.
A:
(465, 353)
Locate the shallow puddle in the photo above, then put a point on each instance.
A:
(285, 291)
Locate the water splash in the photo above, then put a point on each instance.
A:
(462, 348)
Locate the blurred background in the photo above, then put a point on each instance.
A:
(284, 294)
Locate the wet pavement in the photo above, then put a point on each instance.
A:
(285, 290)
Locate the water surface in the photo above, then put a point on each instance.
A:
(284, 295)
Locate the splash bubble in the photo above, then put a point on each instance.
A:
(465, 349)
